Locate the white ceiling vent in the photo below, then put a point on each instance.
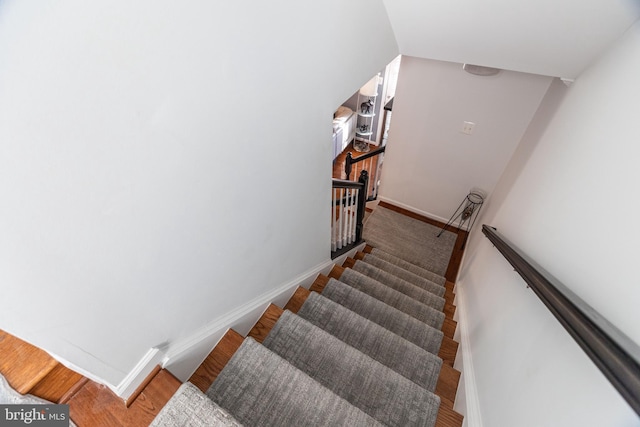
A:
(479, 70)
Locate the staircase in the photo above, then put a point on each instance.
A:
(369, 344)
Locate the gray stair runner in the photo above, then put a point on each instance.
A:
(394, 282)
(191, 407)
(427, 285)
(367, 384)
(262, 389)
(427, 274)
(390, 318)
(396, 299)
(364, 353)
(393, 351)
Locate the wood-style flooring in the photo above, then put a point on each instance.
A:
(370, 165)
(31, 370)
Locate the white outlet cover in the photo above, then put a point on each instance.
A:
(467, 127)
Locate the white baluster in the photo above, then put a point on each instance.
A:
(354, 216)
(339, 214)
(347, 218)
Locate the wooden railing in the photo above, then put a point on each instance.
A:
(612, 352)
(371, 162)
(348, 203)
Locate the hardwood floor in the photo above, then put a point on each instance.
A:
(31, 370)
(370, 165)
(96, 405)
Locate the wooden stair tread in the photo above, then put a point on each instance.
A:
(208, 371)
(95, 404)
(319, 284)
(447, 417)
(447, 385)
(21, 376)
(55, 386)
(297, 299)
(263, 326)
(448, 351)
(449, 327)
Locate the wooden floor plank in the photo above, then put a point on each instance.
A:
(56, 384)
(208, 371)
(22, 364)
(96, 405)
(142, 386)
(153, 397)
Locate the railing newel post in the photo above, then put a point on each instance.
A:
(348, 162)
(362, 203)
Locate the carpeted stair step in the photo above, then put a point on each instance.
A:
(448, 380)
(396, 299)
(258, 387)
(448, 348)
(367, 384)
(417, 270)
(421, 282)
(403, 286)
(448, 325)
(390, 349)
(409, 328)
(189, 406)
(213, 364)
(231, 341)
(426, 297)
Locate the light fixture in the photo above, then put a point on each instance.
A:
(479, 70)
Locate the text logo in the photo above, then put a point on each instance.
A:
(34, 415)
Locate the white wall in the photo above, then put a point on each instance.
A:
(157, 168)
(572, 208)
(430, 165)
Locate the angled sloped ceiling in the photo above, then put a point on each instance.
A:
(541, 37)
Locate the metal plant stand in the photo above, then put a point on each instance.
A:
(467, 212)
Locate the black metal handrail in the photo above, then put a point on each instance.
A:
(349, 161)
(343, 183)
(615, 354)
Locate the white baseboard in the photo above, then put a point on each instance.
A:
(140, 372)
(416, 210)
(183, 357)
(471, 411)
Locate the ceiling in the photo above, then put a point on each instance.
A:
(550, 37)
